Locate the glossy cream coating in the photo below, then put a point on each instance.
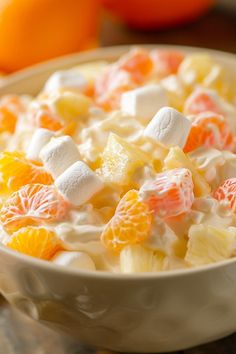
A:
(146, 115)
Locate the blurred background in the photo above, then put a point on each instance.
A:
(32, 31)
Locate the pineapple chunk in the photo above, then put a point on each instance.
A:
(177, 158)
(176, 92)
(221, 80)
(208, 244)
(120, 160)
(70, 105)
(194, 68)
(91, 70)
(137, 259)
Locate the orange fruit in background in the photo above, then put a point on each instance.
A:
(36, 30)
(148, 14)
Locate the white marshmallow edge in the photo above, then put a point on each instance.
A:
(74, 259)
(78, 183)
(144, 102)
(59, 154)
(169, 127)
(39, 139)
(67, 79)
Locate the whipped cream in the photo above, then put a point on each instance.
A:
(73, 155)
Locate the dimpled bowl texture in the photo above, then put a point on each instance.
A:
(131, 313)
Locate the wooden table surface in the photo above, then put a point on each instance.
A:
(20, 335)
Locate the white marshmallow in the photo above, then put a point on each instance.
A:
(144, 102)
(67, 79)
(169, 127)
(78, 183)
(74, 259)
(39, 139)
(59, 154)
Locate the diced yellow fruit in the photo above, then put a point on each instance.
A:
(173, 263)
(91, 70)
(157, 151)
(120, 160)
(176, 158)
(137, 259)
(194, 68)
(108, 197)
(175, 91)
(180, 247)
(215, 78)
(221, 80)
(208, 244)
(94, 138)
(71, 106)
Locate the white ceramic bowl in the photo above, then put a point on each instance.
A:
(132, 313)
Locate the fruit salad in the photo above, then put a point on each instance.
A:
(125, 166)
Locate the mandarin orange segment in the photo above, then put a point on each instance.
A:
(8, 120)
(166, 62)
(127, 73)
(13, 102)
(69, 129)
(48, 120)
(10, 107)
(200, 101)
(226, 192)
(170, 194)
(138, 63)
(16, 171)
(176, 158)
(130, 224)
(31, 205)
(110, 85)
(209, 130)
(37, 242)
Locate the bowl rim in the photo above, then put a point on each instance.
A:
(111, 51)
(100, 54)
(55, 268)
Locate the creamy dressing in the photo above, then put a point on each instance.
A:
(83, 226)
